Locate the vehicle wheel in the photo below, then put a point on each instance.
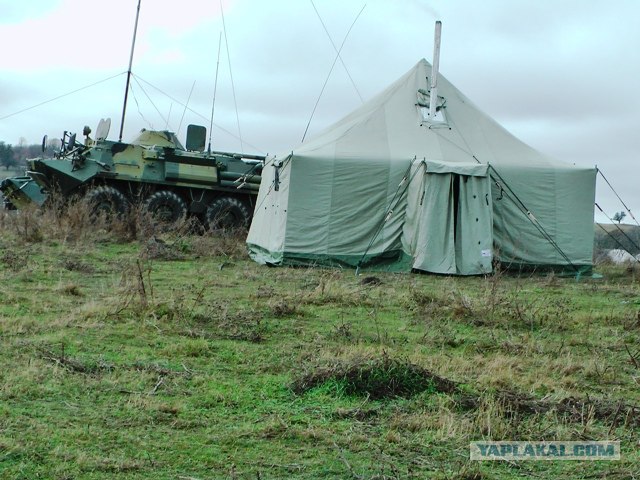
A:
(108, 201)
(227, 212)
(167, 209)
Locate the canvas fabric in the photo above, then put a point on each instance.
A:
(388, 188)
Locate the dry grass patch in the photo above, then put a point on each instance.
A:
(225, 322)
(70, 363)
(71, 289)
(14, 261)
(229, 244)
(74, 264)
(284, 308)
(330, 288)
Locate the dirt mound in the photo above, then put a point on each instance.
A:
(376, 378)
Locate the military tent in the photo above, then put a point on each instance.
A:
(391, 187)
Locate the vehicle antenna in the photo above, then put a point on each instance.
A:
(126, 91)
(186, 105)
(331, 69)
(215, 89)
(166, 124)
(233, 87)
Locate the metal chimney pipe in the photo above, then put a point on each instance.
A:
(433, 95)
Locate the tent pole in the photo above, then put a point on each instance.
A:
(433, 102)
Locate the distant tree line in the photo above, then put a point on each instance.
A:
(16, 156)
(625, 237)
(7, 156)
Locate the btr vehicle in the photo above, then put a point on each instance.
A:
(169, 181)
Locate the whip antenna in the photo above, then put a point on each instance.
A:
(332, 66)
(233, 87)
(126, 91)
(215, 89)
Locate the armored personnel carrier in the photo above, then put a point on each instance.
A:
(168, 180)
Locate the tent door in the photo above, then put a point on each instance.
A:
(455, 225)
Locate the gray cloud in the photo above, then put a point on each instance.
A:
(560, 75)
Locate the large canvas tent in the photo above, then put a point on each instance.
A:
(390, 186)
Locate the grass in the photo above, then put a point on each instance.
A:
(177, 357)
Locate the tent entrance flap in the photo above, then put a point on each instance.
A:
(454, 235)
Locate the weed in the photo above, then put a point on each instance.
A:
(462, 306)
(26, 224)
(72, 364)
(329, 289)
(223, 322)
(343, 330)
(534, 311)
(371, 281)
(227, 243)
(424, 298)
(283, 308)
(158, 249)
(14, 261)
(77, 265)
(264, 291)
(71, 289)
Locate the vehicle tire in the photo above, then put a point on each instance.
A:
(227, 212)
(166, 208)
(108, 201)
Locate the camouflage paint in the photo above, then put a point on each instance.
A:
(154, 160)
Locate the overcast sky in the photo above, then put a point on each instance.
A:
(562, 75)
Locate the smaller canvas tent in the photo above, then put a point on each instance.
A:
(390, 187)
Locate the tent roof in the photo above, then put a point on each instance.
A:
(392, 126)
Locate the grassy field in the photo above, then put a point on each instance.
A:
(11, 172)
(129, 355)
